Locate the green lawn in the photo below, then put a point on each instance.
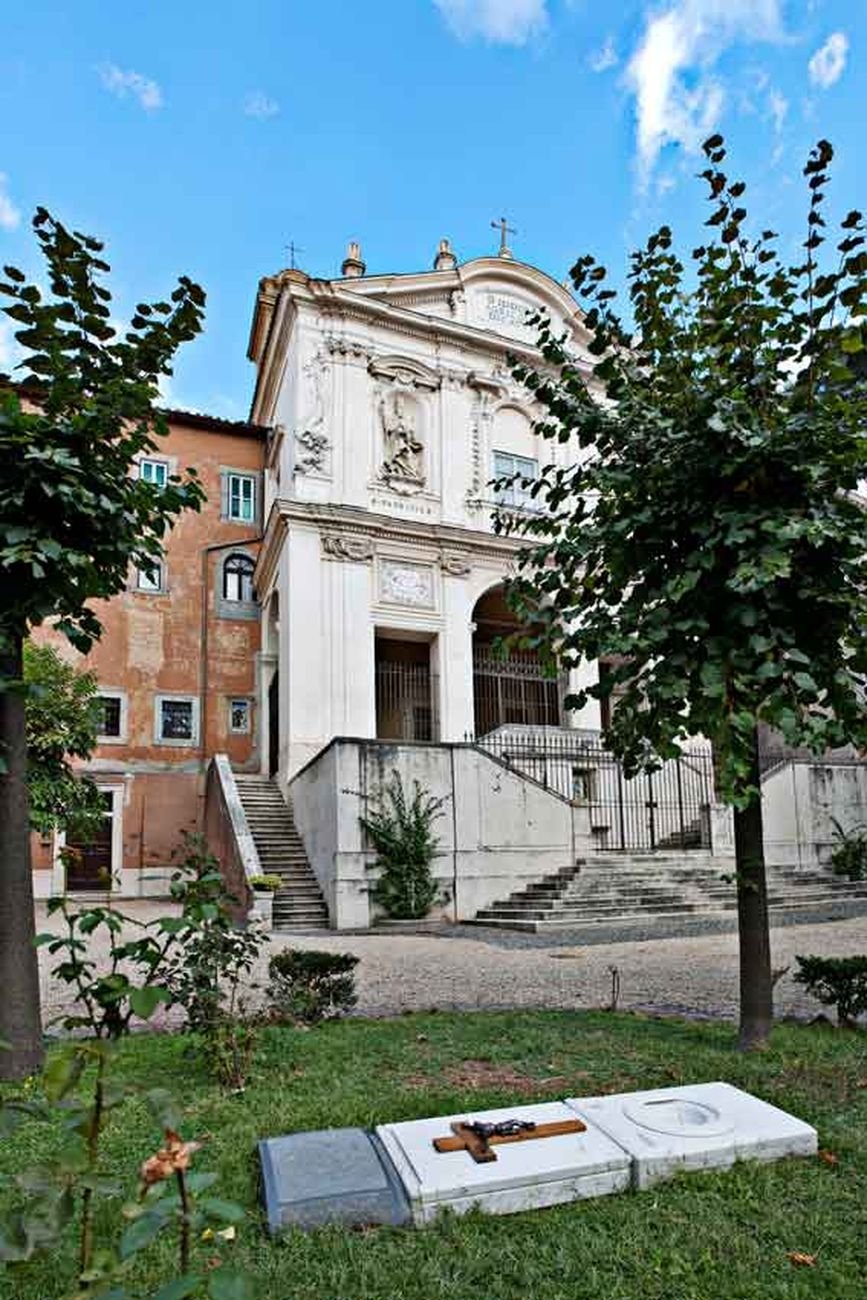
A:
(717, 1236)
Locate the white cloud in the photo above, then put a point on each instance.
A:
(604, 58)
(827, 64)
(121, 83)
(507, 22)
(258, 104)
(678, 99)
(9, 214)
(778, 107)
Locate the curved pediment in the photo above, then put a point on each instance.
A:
(405, 371)
(495, 294)
(502, 294)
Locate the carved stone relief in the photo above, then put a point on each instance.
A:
(311, 441)
(406, 584)
(403, 450)
(344, 546)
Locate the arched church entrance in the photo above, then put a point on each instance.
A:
(511, 688)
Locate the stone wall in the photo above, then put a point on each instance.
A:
(497, 831)
(801, 801)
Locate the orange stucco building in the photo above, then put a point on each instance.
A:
(177, 666)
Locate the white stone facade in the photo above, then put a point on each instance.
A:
(390, 396)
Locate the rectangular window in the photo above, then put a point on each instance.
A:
(242, 498)
(239, 717)
(516, 494)
(154, 471)
(151, 578)
(177, 720)
(111, 716)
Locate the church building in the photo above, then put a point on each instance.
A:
(380, 577)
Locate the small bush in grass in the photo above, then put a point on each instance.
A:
(839, 982)
(311, 986)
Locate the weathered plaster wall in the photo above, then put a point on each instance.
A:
(801, 801)
(177, 642)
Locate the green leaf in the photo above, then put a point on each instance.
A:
(224, 1284)
(62, 1072)
(144, 1001)
(224, 1211)
(180, 1288)
(140, 1233)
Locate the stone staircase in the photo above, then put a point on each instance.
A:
(298, 904)
(622, 889)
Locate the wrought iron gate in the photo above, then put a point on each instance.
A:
(661, 809)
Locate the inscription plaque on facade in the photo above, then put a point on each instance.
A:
(504, 309)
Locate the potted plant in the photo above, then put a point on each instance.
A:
(264, 889)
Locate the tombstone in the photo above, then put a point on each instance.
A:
(337, 1175)
(528, 1172)
(700, 1126)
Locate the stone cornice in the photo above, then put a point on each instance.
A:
(353, 522)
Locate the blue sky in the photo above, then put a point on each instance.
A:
(201, 139)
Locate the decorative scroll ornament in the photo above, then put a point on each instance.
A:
(340, 546)
(456, 566)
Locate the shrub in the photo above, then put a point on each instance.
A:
(266, 884)
(214, 955)
(849, 856)
(311, 986)
(402, 836)
(839, 982)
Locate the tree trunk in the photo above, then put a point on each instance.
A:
(20, 1023)
(756, 988)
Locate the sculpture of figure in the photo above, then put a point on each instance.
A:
(403, 449)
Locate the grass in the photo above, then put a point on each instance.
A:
(712, 1236)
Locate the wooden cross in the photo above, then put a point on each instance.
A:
(504, 230)
(479, 1139)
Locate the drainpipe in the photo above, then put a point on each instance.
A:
(203, 671)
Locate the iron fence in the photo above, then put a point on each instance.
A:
(661, 809)
(513, 690)
(406, 702)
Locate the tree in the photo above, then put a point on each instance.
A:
(61, 719)
(709, 540)
(73, 518)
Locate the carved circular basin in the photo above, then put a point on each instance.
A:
(677, 1116)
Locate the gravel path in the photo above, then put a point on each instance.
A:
(464, 968)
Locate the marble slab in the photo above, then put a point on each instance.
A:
(337, 1175)
(526, 1175)
(700, 1126)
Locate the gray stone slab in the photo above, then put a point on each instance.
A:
(336, 1175)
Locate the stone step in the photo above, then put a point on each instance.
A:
(298, 903)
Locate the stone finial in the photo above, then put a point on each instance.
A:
(445, 259)
(353, 267)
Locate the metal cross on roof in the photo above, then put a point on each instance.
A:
(504, 229)
(292, 248)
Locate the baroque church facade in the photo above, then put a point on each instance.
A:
(393, 409)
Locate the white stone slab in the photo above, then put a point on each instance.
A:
(525, 1176)
(700, 1126)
